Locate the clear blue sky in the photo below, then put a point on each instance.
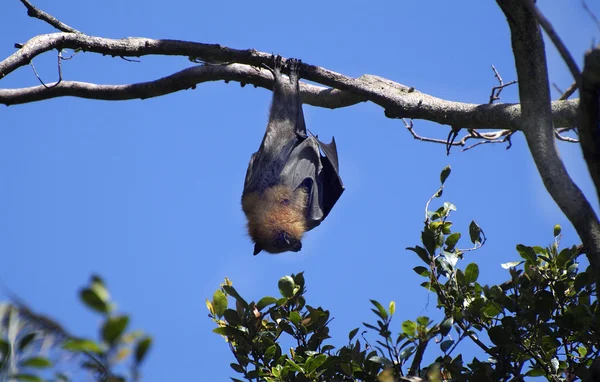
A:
(147, 193)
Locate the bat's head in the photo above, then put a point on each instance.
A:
(276, 218)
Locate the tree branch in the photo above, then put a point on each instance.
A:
(39, 14)
(399, 101)
(556, 40)
(537, 126)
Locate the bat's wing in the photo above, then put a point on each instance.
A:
(249, 172)
(330, 176)
(306, 167)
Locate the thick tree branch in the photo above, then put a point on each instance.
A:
(399, 101)
(537, 126)
(589, 115)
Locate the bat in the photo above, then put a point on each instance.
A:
(293, 180)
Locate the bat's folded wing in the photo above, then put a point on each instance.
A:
(319, 174)
(330, 176)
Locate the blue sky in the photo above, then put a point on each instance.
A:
(147, 193)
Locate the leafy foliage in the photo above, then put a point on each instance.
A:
(34, 347)
(541, 322)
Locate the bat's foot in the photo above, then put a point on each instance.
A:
(277, 64)
(295, 66)
(276, 69)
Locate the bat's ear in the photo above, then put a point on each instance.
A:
(257, 249)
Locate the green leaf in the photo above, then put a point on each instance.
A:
(422, 253)
(582, 350)
(581, 280)
(498, 335)
(113, 328)
(423, 321)
(233, 293)
(295, 317)
(232, 317)
(536, 372)
(80, 345)
(557, 230)
(264, 302)
(563, 257)
(294, 366)
(210, 307)
(527, 253)
(352, 334)
(422, 271)
(475, 233)
(299, 279)
(237, 368)
(219, 302)
(36, 362)
(26, 377)
(392, 308)
(141, 349)
(380, 360)
(446, 325)
(317, 361)
(286, 286)
(407, 352)
(409, 328)
(271, 352)
(471, 273)
(382, 313)
(445, 345)
(94, 301)
(444, 174)
(452, 240)
(428, 240)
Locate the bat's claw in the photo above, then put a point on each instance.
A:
(295, 66)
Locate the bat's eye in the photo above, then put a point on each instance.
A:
(285, 202)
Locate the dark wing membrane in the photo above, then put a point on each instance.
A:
(249, 172)
(331, 183)
(303, 169)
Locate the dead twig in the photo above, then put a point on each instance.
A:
(496, 90)
(39, 14)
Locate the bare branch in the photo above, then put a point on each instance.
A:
(39, 14)
(569, 92)
(560, 46)
(537, 125)
(398, 101)
(492, 137)
(496, 90)
(592, 15)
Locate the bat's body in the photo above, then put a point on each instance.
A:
(290, 186)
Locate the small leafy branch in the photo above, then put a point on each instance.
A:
(34, 347)
(543, 321)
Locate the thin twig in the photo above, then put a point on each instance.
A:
(39, 14)
(59, 65)
(569, 92)
(563, 138)
(496, 90)
(556, 40)
(592, 15)
(492, 137)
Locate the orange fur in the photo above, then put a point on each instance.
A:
(277, 209)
